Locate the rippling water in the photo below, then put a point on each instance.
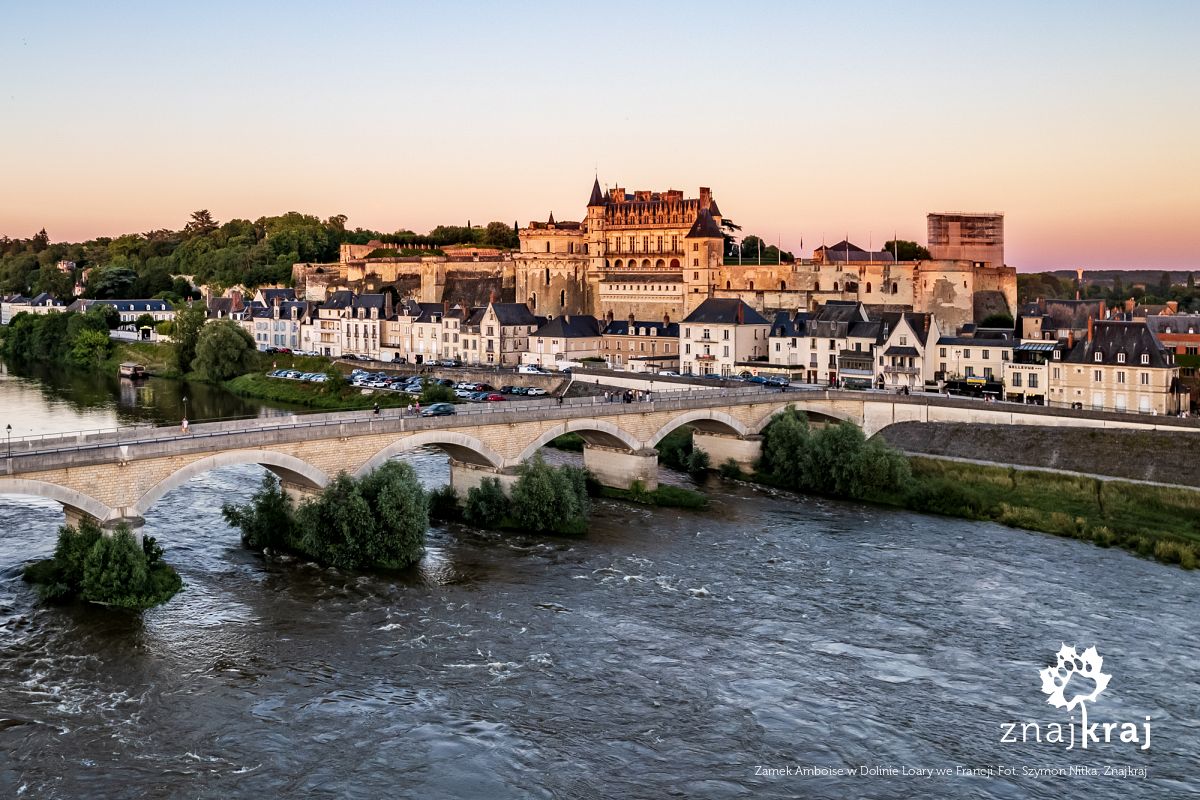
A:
(667, 654)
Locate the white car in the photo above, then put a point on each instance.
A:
(531, 369)
(535, 391)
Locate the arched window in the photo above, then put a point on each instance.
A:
(659, 264)
(618, 264)
(895, 288)
(562, 298)
(674, 263)
(547, 276)
(817, 286)
(835, 286)
(728, 285)
(783, 286)
(645, 263)
(868, 287)
(547, 247)
(533, 301)
(752, 286)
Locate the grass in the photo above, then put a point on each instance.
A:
(663, 497)
(569, 442)
(313, 395)
(1153, 521)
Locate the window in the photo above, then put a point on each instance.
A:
(903, 341)
(695, 247)
(1057, 357)
(1016, 380)
(1057, 374)
(1120, 358)
(1033, 380)
(986, 355)
(987, 373)
(1097, 376)
(687, 349)
(726, 335)
(943, 352)
(1145, 358)
(1121, 376)
(726, 351)
(1144, 378)
(1097, 357)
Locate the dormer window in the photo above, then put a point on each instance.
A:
(1120, 358)
(1098, 357)
(1058, 355)
(1145, 358)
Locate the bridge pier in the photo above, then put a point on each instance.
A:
(464, 477)
(744, 450)
(298, 493)
(621, 468)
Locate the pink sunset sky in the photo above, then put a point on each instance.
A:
(810, 122)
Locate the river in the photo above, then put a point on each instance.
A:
(666, 654)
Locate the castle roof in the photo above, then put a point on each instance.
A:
(705, 227)
(1129, 339)
(597, 198)
(570, 326)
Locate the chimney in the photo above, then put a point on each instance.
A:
(631, 320)
(1091, 328)
(608, 316)
(566, 318)
(445, 308)
(741, 316)
(705, 198)
(491, 297)
(666, 319)
(926, 323)
(1173, 305)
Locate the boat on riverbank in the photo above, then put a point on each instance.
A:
(131, 370)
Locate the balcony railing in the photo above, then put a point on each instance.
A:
(901, 371)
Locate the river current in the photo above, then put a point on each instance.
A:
(665, 654)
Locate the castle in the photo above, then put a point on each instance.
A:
(656, 255)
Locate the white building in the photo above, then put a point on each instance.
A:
(720, 333)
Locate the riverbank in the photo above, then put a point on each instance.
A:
(326, 396)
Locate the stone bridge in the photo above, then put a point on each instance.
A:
(116, 476)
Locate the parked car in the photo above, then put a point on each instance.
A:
(493, 396)
(531, 369)
(446, 382)
(320, 378)
(438, 410)
(668, 373)
(448, 362)
(477, 396)
(534, 391)
(483, 387)
(464, 385)
(464, 393)
(507, 390)
(756, 379)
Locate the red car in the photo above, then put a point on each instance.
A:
(494, 396)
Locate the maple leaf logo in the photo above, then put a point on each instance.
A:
(1070, 676)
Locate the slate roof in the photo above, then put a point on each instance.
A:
(269, 295)
(1174, 324)
(976, 341)
(845, 251)
(130, 306)
(705, 227)
(620, 327)
(916, 321)
(597, 198)
(570, 326)
(1109, 338)
(724, 311)
(45, 297)
(339, 299)
(901, 351)
(514, 314)
(786, 325)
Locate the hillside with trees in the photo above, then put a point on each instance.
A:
(145, 265)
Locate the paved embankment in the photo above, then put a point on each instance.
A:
(1155, 456)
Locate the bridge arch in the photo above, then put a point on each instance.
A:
(459, 446)
(704, 419)
(593, 431)
(71, 499)
(287, 467)
(815, 413)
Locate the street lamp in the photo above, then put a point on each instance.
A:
(185, 414)
(8, 434)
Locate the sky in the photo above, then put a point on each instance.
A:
(810, 121)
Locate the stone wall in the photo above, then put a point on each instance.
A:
(1161, 456)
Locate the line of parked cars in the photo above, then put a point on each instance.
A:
(745, 377)
(297, 375)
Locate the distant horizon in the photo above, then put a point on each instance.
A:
(808, 122)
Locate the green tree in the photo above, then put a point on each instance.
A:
(115, 571)
(905, 250)
(268, 521)
(189, 319)
(499, 234)
(224, 350)
(144, 321)
(785, 443)
(103, 317)
(433, 392)
(400, 508)
(89, 347)
(331, 526)
(549, 499)
(201, 223)
(487, 505)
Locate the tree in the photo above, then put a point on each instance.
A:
(905, 250)
(400, 508)
(103, 317)
(1164, 286)
(549, 499)
(486, 505)
(268, 521)
(331, 526)
(499, 234)
(189, 319)
(112, 281)
(201, 223)
(89, 347)
(115, 570)
(144, 321)
(224, 350)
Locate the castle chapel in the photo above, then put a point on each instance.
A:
(650, 254)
